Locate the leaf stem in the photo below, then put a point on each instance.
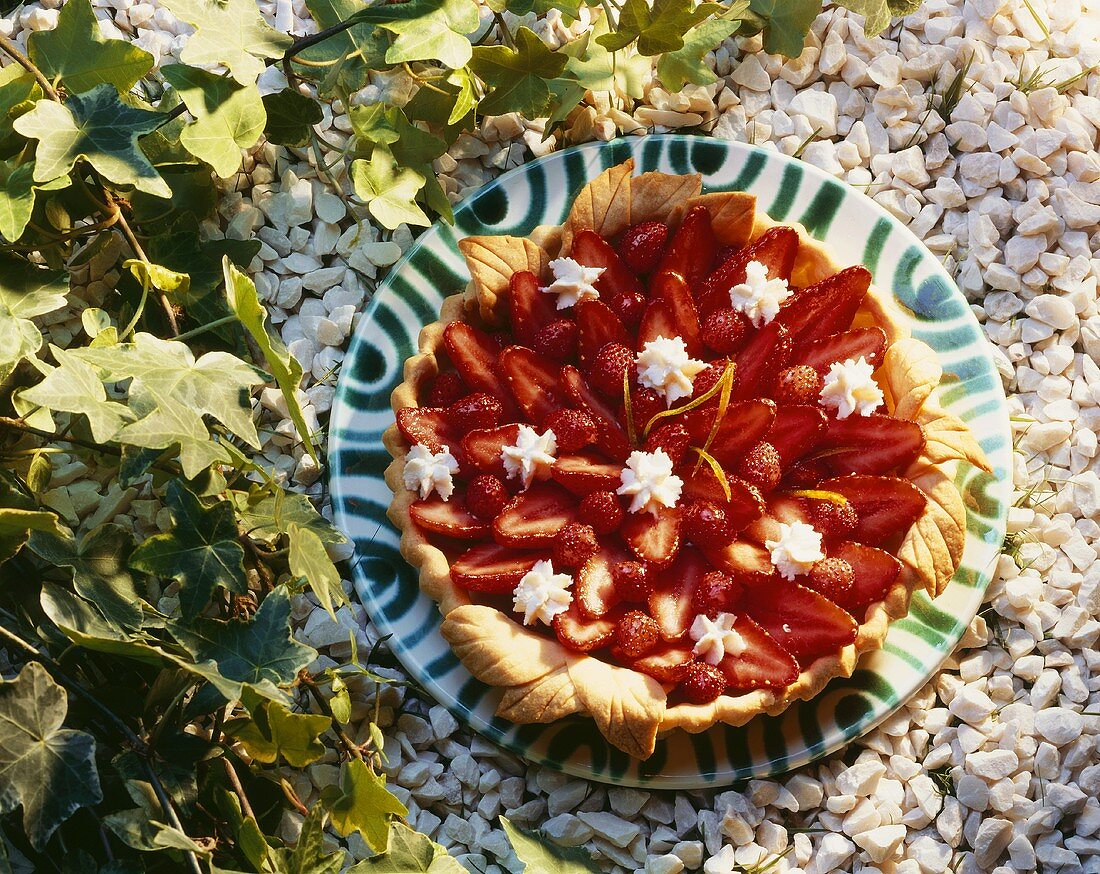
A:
(11, 49)
(505, 33)
(132, 239)
(235, 782)
(209, 326)
(346, 742)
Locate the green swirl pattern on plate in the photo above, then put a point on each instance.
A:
(857, 231)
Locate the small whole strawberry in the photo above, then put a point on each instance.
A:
(632, 581)
(832, 577)
(724, 331)
(573, 429)
(800, 384)
(704, 524)
(629, 307)
(479, 410)
(574, 545)
(447, 389)
(643, 245)
(612, 362)
(672, 437)
(707, 379)
(486, 496)
(558, 340)
(702, 683)
(636, 634)
(602, 511)
(715, 593)
(835, 521)
(645, 404)
(760, 466)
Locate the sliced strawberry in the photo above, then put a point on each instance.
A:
(581, 633)
(869, 343)
(598, 326)
(870, 444)
(595, 587)
(532, 381)
(430, 427)
(667, 663)
(803, 622)
(763, 664)
(592, 250)
(585, 472)
(886, 506)
(742, 427)
(482, 448)
(474, 354)
(746, 562)
(535, 516)
(528, 307)
(653, 539)
(448, 517)
(671, 313)
(670, 601)
(611, 436)
(759, 363)
(693, 248)
(776, 249)
(826, 307)
(875, 572)
(795, 431)
(781, 509)
(492, 568)
(741, 508)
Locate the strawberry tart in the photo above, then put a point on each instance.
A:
(667, 465)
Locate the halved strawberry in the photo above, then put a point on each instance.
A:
(803, 622)
(764, 663)
(742, 427)
(781, 509)
(611, 436)
(666, 663)
(671, 313)
(869, 343)
(670, 601)
(759, 363)
(482, 448)
(598, 326)
(491, 568)
(581, 633)
(653, 539)
(592, 250)
(535, 516)
(431, 427)
(747, 562)
(795, 431)
(528, 307)
(448, 517)
(532, 381)
(870, 444)
(826, 307)
(741, 508)
(776, 249)
(594, 591)
(585, 472)
(474, 354)
(693, 248)
(886, 506)
(875, 572)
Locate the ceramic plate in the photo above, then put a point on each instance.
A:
(858, 232)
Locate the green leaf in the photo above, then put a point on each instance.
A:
(48, 769)
(98, 127)
(382, 124)
(84, 624)
(346, 57)
(409, 853)
(228, 116)
(18, 91)
(16, 198)
(309, 855)
(26, 291)
(877, 14)
(566, 96)
(310, 561)
(266, 514)
(245, 303)
(658, 29)
(273, 731)
(229, 32)
(688, 64)
(786, 24)
(98, 562)
(156, 276)
(519, 75)
(290, 117)
(74, 387)
(39, 473)
(362, 803)
(597, 69)
(201, 551)
(427, 30)
(77, 53)
(16, 525)
(134, 828)
(541, 856)
(169, 423)
(389, 191)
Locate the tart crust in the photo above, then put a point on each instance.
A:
(538, 679)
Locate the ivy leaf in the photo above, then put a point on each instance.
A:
(389, 191)
(786, 24)
(658, 29)
(877, 14)
(266, 515)
(18, 89)
(427, 30)
(597, 69)
(381, 124)
(74, 387)
(688, 64)
(566, 96)
(348, 56)
(156, 276)
(273, 731)
(519, 75)
(229, 32)
(541, 855)
(17, 193)
(409, 853)
(26, 291)
(309, 560)
(362, 803)
(98, 127)
(84, 624)
(78, 54)
(168, 423)
(309, 855)
(48, 769)
(201, 551)
(17, 523)
(245, 303)
(228, 116)
(98, 562)
(290, 117)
